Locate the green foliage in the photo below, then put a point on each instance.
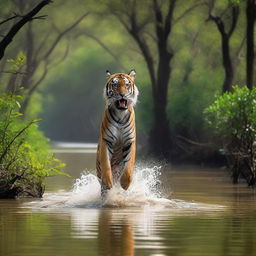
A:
(234, 114)
(235, 2)
(25, 159)
(16, 64)
(233, 118)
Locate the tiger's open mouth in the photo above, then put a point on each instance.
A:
(121, 104)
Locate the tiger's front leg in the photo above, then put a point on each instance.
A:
(126, 178)
(104, 170)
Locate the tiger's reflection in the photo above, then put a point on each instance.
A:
(115, 235)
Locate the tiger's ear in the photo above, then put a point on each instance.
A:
(108, 74)
(132, 74)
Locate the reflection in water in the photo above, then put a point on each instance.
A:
(117, 229)
(139, 222)
(115, 237)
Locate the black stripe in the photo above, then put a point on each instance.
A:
(127, 147)
(108, 142)
(128, 124)
(111, 133)
(111, 122)
(113, 137)
(127, 136)
(128, 140)
(111, 114)
(107, 90)
(127, 160)
(127, 119)
(129, 131)
(126, 155)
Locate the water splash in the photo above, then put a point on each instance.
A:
(146, 190)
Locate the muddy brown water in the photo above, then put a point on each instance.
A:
(198, 213)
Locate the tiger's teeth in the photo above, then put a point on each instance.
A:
(122, 103)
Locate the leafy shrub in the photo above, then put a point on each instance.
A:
(25, 159)
(233, 118)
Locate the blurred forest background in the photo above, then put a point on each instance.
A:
(184, 52)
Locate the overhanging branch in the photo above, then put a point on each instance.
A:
(17, 26)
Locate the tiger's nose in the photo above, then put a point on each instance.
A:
(122, 94)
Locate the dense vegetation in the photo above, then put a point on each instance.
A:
(233, 117)
(25, 159)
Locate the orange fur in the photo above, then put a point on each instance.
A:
(117, 140)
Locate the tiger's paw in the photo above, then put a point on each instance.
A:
(107, 182)
(125, 181)
(104, 193)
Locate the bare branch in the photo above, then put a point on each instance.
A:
(42, 17)
(235, 14)
(126, 26)
(107, 49)
(66, 52)
(133, 29)
(169, 17)
(42, 44)
(159, 19)
(39, 80)
(11, 18)
(219, 23)
(187, 12)
(54, 44)
(17, 26)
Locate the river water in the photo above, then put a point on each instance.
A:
(168, 210)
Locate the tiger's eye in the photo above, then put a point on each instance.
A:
(115, 82)
(127, 82)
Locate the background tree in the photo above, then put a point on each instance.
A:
(39, 52)
(250, 18)
(226, 30)
(151, 31)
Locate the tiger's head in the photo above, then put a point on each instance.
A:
(120, 91)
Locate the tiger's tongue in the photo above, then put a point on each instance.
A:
(122, 103)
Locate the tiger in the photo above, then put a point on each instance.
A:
(117, 140)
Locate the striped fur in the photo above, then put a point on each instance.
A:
(116, 147)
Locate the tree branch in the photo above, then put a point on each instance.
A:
(187, 12)
(235, 14)
(17, 26)
(219, 23)
(8, 19)
(107, 49)
(66, 52)
(39, 80)
(169, 18)
(54, 44)
(134, 31)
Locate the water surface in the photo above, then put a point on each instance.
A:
(180, 211)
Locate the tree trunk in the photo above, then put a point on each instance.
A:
(160, 137)
(250, 16)
(227, 64)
